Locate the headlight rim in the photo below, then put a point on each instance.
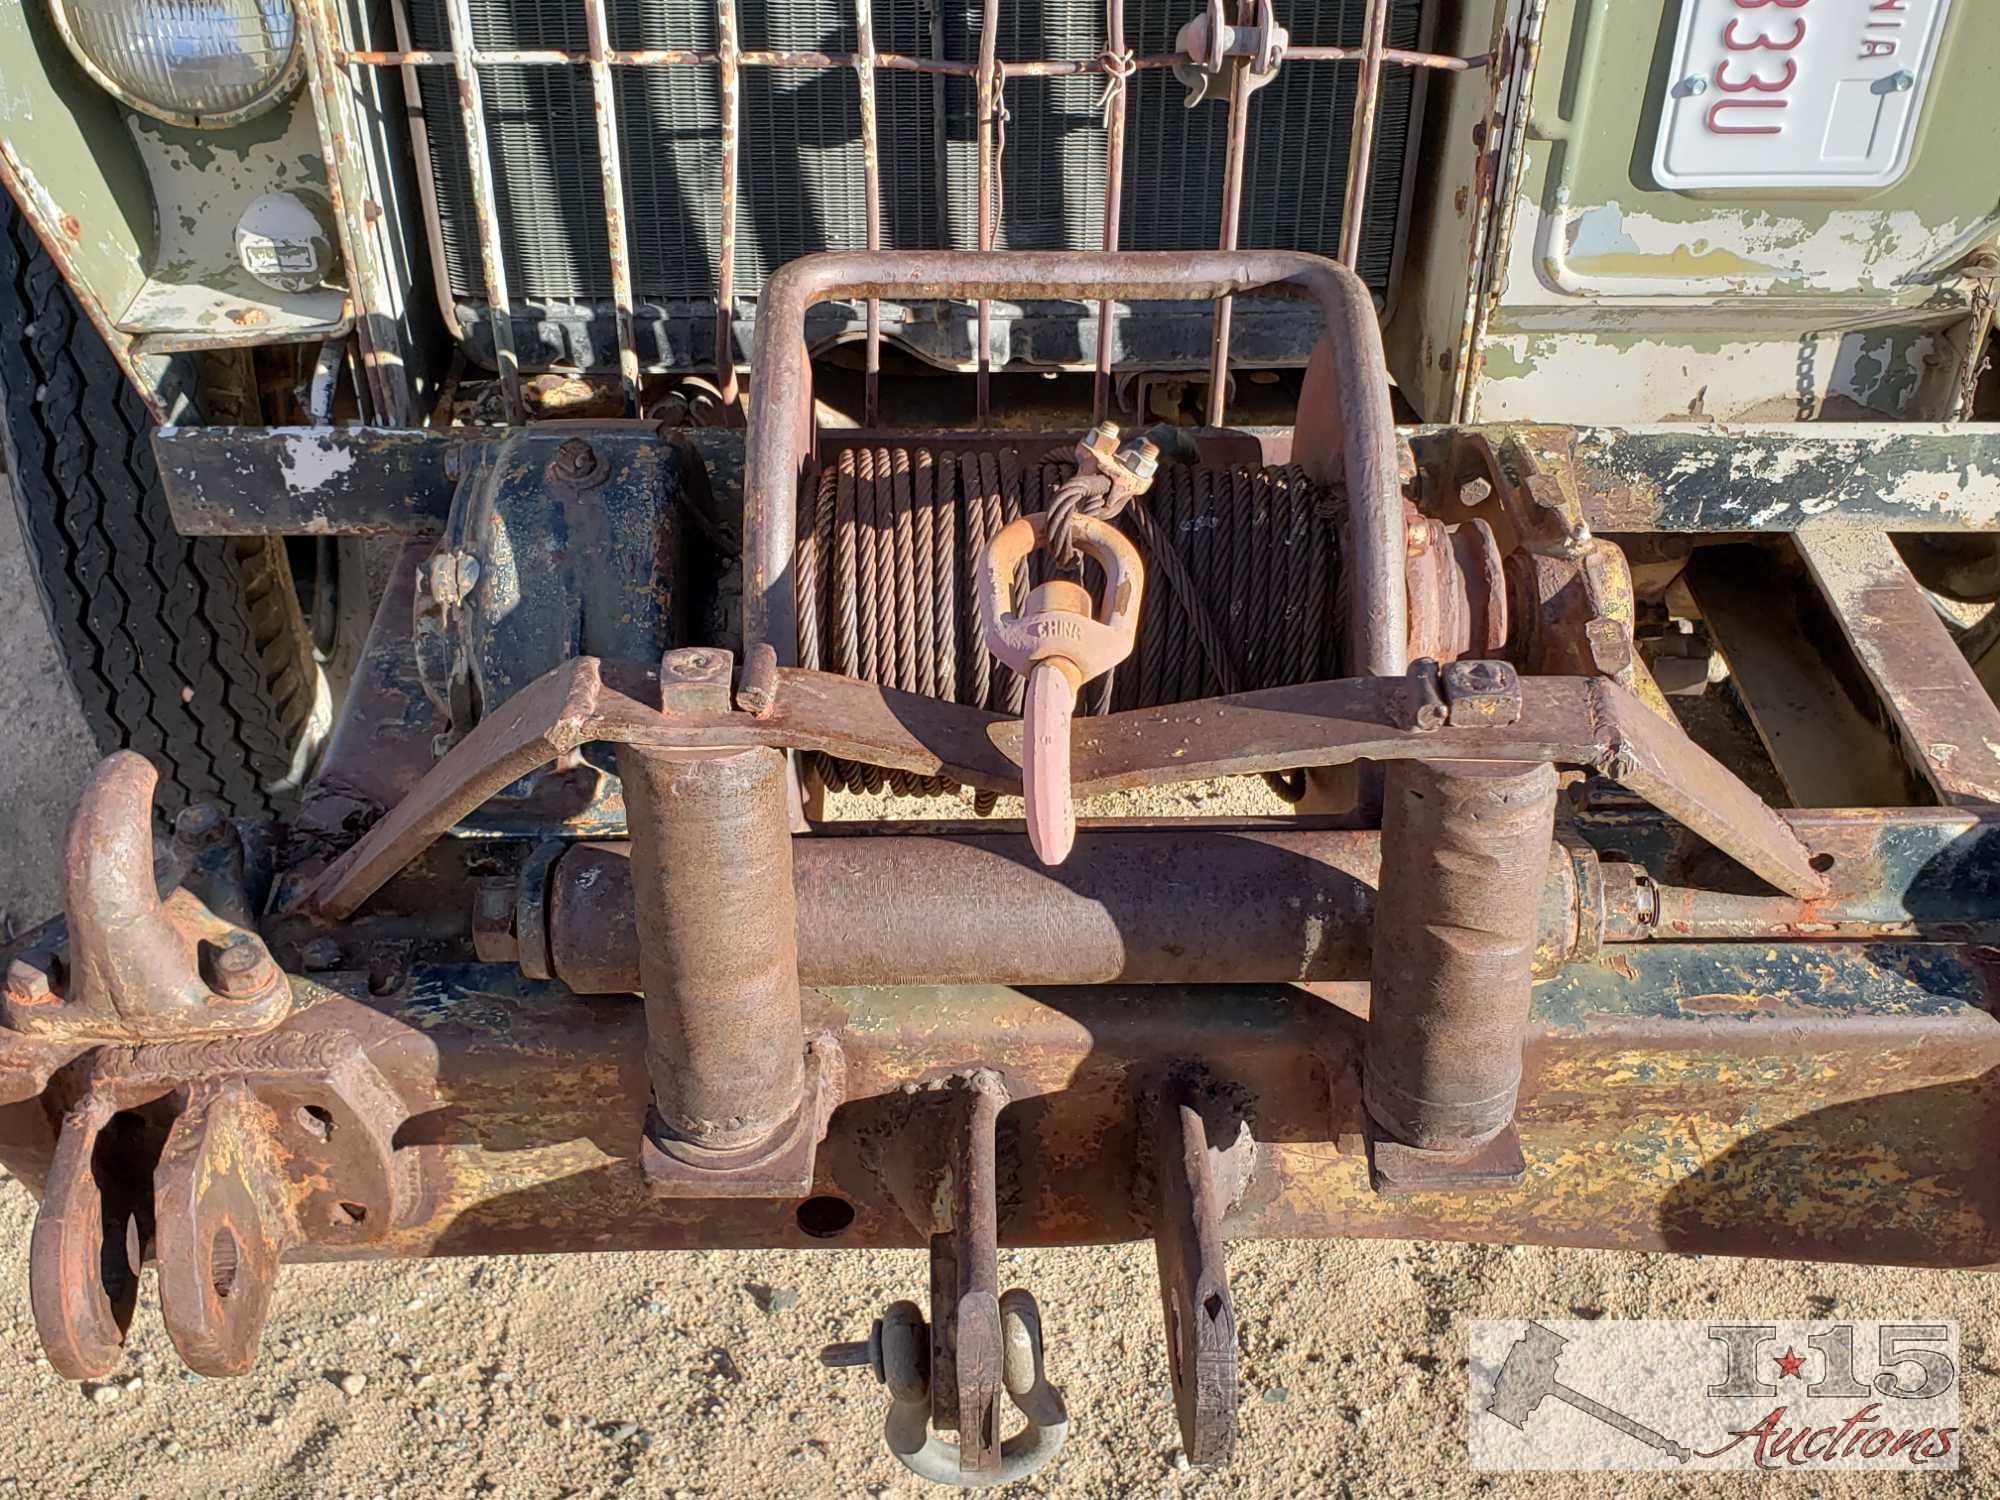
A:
(279, 89)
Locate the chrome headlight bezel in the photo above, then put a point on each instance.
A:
(282, 83)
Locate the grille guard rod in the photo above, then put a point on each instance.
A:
(1571, 721)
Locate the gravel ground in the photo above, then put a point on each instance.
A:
(693, 1374)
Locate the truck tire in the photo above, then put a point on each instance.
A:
(190, 650)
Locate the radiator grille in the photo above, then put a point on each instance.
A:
(800, 162)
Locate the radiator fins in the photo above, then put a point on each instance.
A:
(799, 169)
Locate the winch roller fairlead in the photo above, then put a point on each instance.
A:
(1453, 995)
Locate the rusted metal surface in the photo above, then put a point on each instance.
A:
(1200, 1178)
(712, 883)
(871, 208)
(1683, 479)
(989, 100)
(1918, 873)
(779, 439)
(1709, 1098)
(222, 1218)
(966, 1354)
(1463, 850)
(1059, 639)
(988, 73)
(216, 1158)
(1360, 153)
(137, 967)
(1240, 84)
(938, 1160)
(1695, 478)
(309, 481)
(1457, 590)
(729, 82)
(378, 303)
(1577, 615)
(485, 210)
(611, 165)
(898, 62)
(1172, 902)
(1130, 906)
(1119, 69)
(1949, 723)
(1569, 721)
(928, 515)
(1825, 738)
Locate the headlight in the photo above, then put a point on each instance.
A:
(188, 62)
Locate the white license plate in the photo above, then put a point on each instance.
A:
(1796, 93)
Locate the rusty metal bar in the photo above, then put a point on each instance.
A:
(1130, 906)
(1114, 189)
(610, 159)
(1567, 720)
(479, 173)
(1361, 142)
(1819, 724)
(1252, 905)
(376, 336)
(1232, 217)
(871, 191)
(1950, 725)
(727, 58)
(989, 87)
(898, 62)
(1463, 849)
(712, 880)
(1884, 1050)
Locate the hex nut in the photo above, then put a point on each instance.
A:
(240, 967)
(28, 979)
(200, 824)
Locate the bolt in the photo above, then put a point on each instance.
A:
(1610, 645)
(1142, 459)
(1902, 82)
(319, 955)
(1693, 84)
(1475, 491)
(861, 1354)
(199, 825)
(493, 934)
(695, 680)
(28, 979)
(575, 463)
(1103, 441)
(240, 967)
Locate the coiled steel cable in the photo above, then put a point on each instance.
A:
(1243, 568)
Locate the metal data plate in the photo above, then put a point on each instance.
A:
(1796, 93)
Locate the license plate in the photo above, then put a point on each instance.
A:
(1796, 93)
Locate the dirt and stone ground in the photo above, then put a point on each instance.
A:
(694, 1374)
